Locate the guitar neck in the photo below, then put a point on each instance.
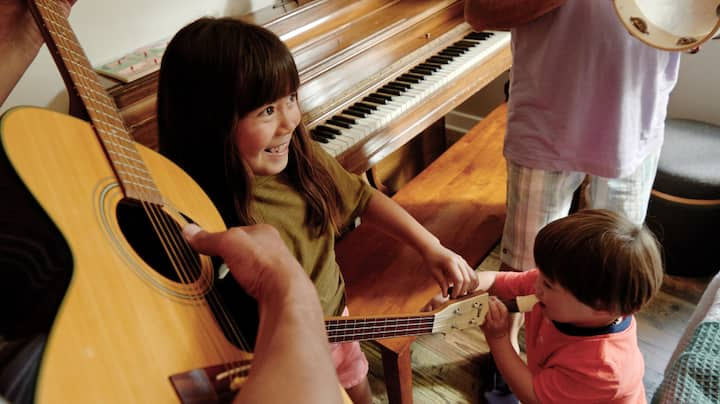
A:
(83, 85)
(345, 329)
(468, 311)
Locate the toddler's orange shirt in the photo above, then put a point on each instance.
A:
(571, 364)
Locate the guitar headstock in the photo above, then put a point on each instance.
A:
(462, 313)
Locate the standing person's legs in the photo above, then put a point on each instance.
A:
(535, 198)
(629, 195)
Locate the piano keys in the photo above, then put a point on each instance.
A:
(350, 54)
(418, 84)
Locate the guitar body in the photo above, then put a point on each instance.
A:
(123, 327)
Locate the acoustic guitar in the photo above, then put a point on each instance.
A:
(106, 213)
(92, 251)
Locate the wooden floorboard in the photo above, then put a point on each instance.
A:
(452, 368)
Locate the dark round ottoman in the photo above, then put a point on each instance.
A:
(684, 210)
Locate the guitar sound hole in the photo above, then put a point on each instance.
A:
(141, 232)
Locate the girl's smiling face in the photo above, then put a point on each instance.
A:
(263, 135)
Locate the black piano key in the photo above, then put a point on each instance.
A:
(457, 49)
(345, 119)
(319, 138)
(323, 134)
(466, 44)
(421, 71)
(354, 112)
(399, 85)
(365, 105)
(376, 100)
(360, 109)
(386, 97)
(397, 88)
(428, 66)
(410, 78)
(327, 130)
(390, 91)
(479, 36)
(438, 60)
(338, 123)
(436, 65)
(450, 53)
(319, 132)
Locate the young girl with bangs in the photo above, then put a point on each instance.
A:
(228, 114)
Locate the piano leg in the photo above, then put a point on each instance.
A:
(398, 369)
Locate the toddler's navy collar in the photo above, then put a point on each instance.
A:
(576, 331)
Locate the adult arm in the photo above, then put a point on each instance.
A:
(291, 360)
(447, 267)
(506, 14)
(20, 41)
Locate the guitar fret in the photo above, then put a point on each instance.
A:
(114, 133)
(117, 132)
(108, 115)
(139, 177)
(139, 162)
(152, 188)
(50, 11)
(123, 151)
(138, 168)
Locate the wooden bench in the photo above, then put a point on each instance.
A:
(460, 197)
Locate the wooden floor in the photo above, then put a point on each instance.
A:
(453, 368)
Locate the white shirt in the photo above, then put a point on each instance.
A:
(585, 95)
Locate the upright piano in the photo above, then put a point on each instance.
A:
(374, 73)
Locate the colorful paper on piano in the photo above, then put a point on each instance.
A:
(137, 64)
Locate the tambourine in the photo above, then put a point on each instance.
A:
(673, 25)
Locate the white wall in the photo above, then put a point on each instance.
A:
(108, 29)
(697, 93)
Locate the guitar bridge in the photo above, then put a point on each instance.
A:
(213, 384)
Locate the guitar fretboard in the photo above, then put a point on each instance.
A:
(360, 329)
(116, 141)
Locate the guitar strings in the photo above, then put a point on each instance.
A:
(172, 230)
(375, 328)
(52, 16)
(183, 262)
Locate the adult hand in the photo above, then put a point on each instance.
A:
(256, 255)
(20, 41)
(16, 22)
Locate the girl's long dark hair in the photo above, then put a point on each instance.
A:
(214, 72)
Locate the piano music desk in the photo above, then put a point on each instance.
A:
(460, 197)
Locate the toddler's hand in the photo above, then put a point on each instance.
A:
(496, 323)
